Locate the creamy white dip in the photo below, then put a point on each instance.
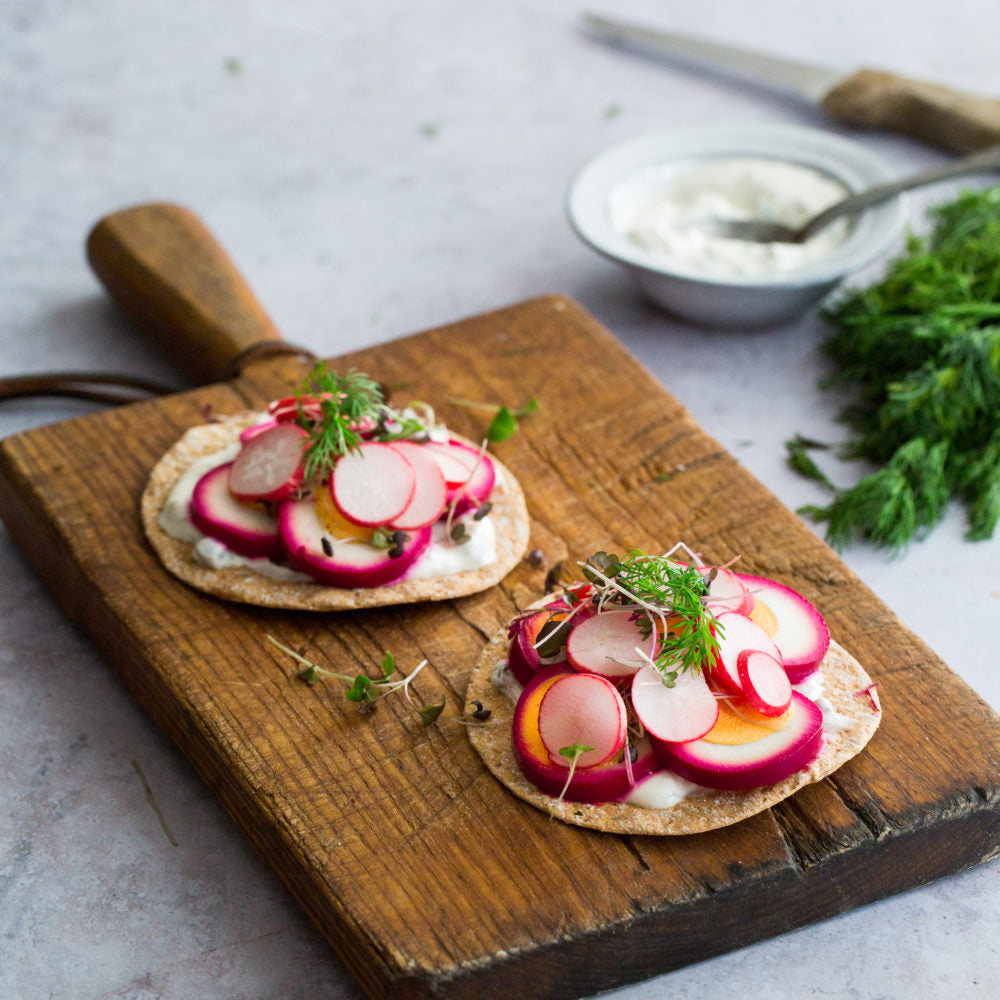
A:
(668, 212)
(442, 557)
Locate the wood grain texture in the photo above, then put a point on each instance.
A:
(429, 878)
(931, 112)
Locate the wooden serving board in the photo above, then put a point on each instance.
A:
(426, 875)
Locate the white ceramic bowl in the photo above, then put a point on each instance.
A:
(734, 301)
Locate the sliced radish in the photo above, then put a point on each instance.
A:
(478, 485)
(373, 484)
(606, 644)
(270, 466)
(582, 709)
(803, 636)
(456, 464)
(685, 711)
(764, 681)
(289, 408)
(764, 761)
(254, 429)
(727, 592)
(735, 633)
(347, 559)
(245, 528)
(603, 783)
(429, 492)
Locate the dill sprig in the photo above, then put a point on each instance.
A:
(667, 596)
(921, 351)
(346, 402)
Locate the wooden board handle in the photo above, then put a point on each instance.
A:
(927, 111)
(167, 272)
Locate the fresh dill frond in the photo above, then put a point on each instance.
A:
(666, 596)
(920, 352)
(346, 403)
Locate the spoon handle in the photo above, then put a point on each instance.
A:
(988, 159)
(931, 112)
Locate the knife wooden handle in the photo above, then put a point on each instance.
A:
(928, 111)
(167, 272)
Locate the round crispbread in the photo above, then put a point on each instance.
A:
(508, 512)
(843, 676)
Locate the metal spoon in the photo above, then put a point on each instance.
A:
(760, 231)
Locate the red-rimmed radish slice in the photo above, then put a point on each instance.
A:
(764, 681)
(289, 408)
(605, 644)
(244, 528)
(603, 783)
(685, 711)
(802, 636)
(727, 592)
(582, 709)
(477, 486)
(429, 492)
(765, 761)
(254, 429)
(735, 633)
(270, 466)
(373, 484)
(347, 559)
(456, 463)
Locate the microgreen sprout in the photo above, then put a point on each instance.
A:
(363, 690)
(572, 754)
(504, 422)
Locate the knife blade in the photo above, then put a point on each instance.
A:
(866, 98)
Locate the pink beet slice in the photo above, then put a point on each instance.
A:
(764, 681)
(601, 783)
(750, 765)
(727, 592)
(685, 711)
(342, 562)
(429, 493)
(605, 644)
(456, 463)
(479, 484)
(803, 636)
(523, 657)
(373, 484)
(735, 633)
(244, 528)
(270, 465)
(584, 709)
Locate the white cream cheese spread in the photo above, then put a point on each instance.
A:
(668, 212)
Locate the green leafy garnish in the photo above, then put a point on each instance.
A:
(666, 596)
(572, 754)
(346, 403)
(504, 422)
(921, 351)
(363, 690)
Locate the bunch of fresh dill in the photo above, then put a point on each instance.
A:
(921, 350)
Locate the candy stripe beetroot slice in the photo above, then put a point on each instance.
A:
(373, 484)
(244, 528)
(270, 465)
(764, 681)
(429, 492)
